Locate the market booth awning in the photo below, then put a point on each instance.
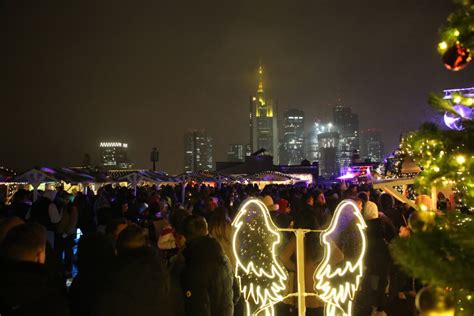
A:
(72, 176)
(134, 178)
(271, 176)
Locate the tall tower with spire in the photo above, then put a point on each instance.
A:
(263, 121)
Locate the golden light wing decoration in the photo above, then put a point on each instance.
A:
(337, 277)
(261, 276)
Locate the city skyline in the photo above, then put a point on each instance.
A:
(151, 72)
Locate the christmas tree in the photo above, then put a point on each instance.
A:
(440, 249)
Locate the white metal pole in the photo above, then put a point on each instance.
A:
(300, 271)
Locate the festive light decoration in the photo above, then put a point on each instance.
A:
(457, 57)
(447, 160)
(453, 121)
(457, 36)
(338, 283)
(261, 277)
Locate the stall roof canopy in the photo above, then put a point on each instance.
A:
(83, 175)
(68, 175)
(205, 176)
(142, 175)
(271, 176)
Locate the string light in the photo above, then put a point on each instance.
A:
(339, 297)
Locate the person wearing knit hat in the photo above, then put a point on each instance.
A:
(268, 201)
(370, 211)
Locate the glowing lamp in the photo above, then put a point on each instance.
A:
(460, 159)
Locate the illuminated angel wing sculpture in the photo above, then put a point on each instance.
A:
(336, 280)
(261, 276)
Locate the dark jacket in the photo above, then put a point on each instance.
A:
(207, 279)
(19, 209)
(40, 213)
(377, 257)
(138, 286)
(25, 289)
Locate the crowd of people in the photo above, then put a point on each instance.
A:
(151, 254)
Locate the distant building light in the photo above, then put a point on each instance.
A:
(113, 144)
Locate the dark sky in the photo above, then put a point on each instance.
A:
(74, 73)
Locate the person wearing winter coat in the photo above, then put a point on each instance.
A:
(25, 286)
(138, 283)
(377, 261)
(207, 279)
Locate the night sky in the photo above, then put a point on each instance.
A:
(74, 73)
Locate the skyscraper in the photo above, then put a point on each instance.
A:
(263, 121)
(113, 155)
(293, 137)
(371, 145)
(197, 151)
(347, 123)
(328, 147)
(237, 152)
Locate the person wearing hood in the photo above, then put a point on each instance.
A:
(207, 279)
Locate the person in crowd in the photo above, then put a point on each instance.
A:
(351, 192)
(321, 210)
(377, 262)
(95, 258)
(220, 228)
(44, 211)
(211, 204)
(86, 220)
(207, 279)
(272, 207)
(113, 230)
(20, 205)
(139, 284)
(8, 223)
(313, 255)
(65, 235)
(25, 287)
(387, 206)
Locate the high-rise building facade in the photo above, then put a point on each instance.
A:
(371, 145)
(263, 121)
(198, 151)
(328, 143)
(237, 152)
(113, 155)
(292, 152)
(312, 146)
(347, 123)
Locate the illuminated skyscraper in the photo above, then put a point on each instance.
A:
(263, 121)
(328, 148)
(237, 153)
(347, 123)
(113, 155)
(371, 145)
(197, 151)
(293, 138)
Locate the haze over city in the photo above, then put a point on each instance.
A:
(75, 74)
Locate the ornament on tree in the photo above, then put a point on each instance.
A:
(456, 57)
(435, 301)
